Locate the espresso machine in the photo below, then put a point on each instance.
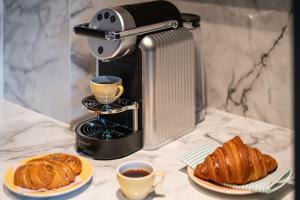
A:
(148, 47)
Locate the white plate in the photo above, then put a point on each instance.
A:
(214, 187)
(85, 176)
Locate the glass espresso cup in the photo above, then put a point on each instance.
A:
(106, 89)
(138, 178)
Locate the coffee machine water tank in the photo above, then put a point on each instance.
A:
(192, 22)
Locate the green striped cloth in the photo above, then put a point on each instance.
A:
(267, 184)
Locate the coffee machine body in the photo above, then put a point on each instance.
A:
(158, 73)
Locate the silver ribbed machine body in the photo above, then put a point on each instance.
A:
(168, 67)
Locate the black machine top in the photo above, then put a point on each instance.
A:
(153, 12)
(118, 34)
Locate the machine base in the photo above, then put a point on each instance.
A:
(102, 149)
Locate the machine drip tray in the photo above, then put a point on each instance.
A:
(91, 139)
(104, 129)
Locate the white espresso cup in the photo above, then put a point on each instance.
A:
(138, 178)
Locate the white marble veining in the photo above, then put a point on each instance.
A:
(247, 52)
(36, 56)
(25, 133)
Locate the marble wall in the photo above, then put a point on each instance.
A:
(246, 46)
(36, 56)
(248, 51)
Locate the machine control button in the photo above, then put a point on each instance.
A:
(100, 50)
(99, 17)
(113, 19)
(106, 15)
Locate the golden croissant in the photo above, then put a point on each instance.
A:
(48, 172)
(235, 163)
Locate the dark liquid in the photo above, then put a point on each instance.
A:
(136, 173)
(104, 82)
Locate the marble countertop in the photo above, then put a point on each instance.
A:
(25, 133)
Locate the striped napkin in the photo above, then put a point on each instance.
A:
(267, 184)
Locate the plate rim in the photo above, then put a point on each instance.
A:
(219, 188)
(54, 194)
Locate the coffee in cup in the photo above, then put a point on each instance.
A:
(137, 179)
(106, 89)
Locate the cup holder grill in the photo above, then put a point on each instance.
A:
(118, 106)
(104, 129)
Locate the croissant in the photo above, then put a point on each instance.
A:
(235, 163)
(49, 172)
(72, 161)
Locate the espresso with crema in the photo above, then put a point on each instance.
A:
(136, 173)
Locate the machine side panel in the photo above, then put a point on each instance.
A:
(168, 69)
